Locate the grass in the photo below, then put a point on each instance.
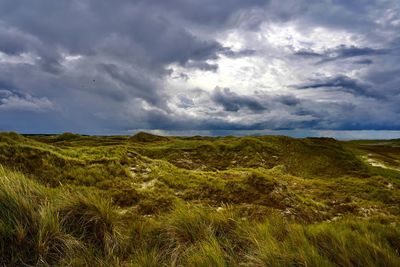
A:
(72, 200)
(96, 218)
(30, 231)
(45, 227)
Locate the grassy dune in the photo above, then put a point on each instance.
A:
(72, 200)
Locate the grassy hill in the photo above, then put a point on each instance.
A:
(307, 157)
(148, 200)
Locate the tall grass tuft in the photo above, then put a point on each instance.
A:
(356, 243)
(53, 244)
(92, 220)
(190, 235)
(30, 233)
(205, 253)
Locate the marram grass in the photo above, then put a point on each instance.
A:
(72, 200)
(42, 227)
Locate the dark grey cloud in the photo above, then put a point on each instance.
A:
(103, 27)
(342, 52)
(308, 54)
(142, 86)
(340, 82)
(364, 61)
(202, 66)
(12, 42)
(208, 12)
(234, 102)
(105, 66)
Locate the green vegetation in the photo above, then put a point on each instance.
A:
(146, 200)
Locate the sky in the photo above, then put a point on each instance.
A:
(183, 67)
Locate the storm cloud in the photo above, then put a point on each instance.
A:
(342, 83)
(97, 66)
(234, 102)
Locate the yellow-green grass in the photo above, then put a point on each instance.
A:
(196, 201)
(41, 226)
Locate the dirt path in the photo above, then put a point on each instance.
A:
(377, 163)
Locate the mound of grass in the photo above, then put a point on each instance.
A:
(303, 157)
(54, 166)
(67, 136)
(147, 137)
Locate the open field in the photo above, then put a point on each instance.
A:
(146, 200)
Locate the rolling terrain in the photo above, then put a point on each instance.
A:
(147, 200)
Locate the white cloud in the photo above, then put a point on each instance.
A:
(23, 58)
(10, 101)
